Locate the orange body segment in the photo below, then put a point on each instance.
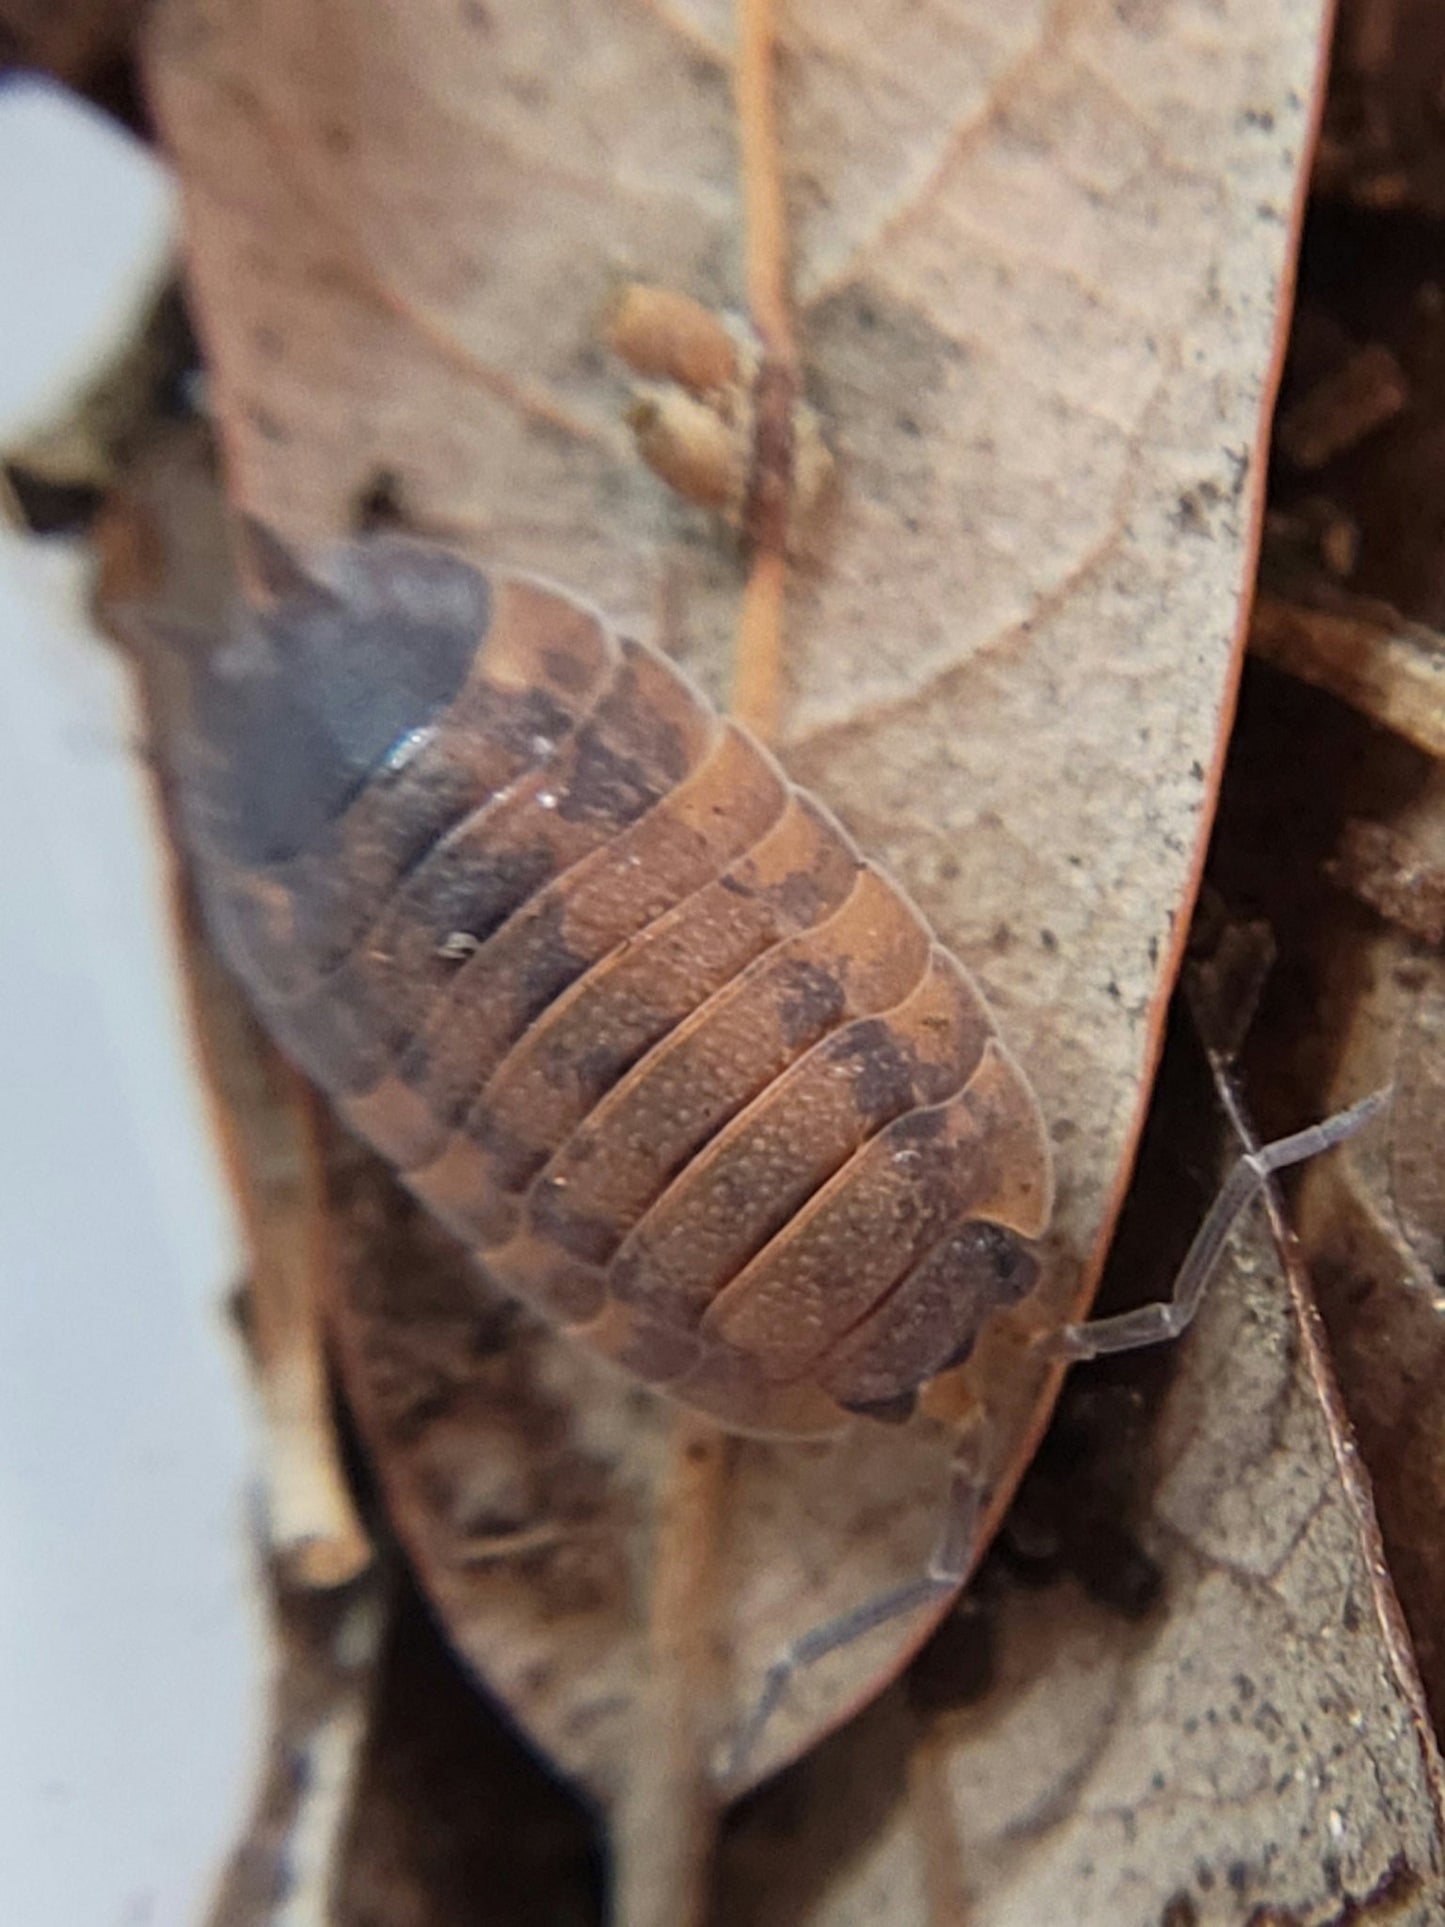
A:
(630, 1013)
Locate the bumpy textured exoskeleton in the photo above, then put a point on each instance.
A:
(626, 1009)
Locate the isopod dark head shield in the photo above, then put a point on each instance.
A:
(625, 1008)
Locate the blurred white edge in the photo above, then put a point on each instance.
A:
(132, 1640)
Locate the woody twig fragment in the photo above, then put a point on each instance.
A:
(266, 1121)
(159, 531)
(722, 419)
(1389, 668)
(665, 1835)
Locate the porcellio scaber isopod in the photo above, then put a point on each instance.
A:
(626, 1009)
(629, 1011)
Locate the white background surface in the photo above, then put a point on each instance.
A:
(130, 1642)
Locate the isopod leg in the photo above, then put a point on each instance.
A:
(1167, 1318)
(948, 1566)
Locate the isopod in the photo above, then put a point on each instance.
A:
(624, 1007)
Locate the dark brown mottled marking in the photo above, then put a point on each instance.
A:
(630, 1013)
(753, 1177)
(810, 1002)
(934, 1315)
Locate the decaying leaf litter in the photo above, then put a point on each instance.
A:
(999, 336)
(1354, 872)
(696, 582)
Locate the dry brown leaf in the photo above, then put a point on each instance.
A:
(449, 1807)
(1373, 1225)
(1255, 1751)
(1039, 254)
(1330, 844)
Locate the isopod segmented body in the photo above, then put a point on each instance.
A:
(627, 1010)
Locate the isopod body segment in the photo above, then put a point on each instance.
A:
(626, 1009)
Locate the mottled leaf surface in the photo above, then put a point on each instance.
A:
(1373, 1221)
(1039, 254)
(1255, 1749)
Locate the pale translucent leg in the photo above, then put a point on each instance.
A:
(1150, 1324)
(952, 1556)
(948, 1567)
